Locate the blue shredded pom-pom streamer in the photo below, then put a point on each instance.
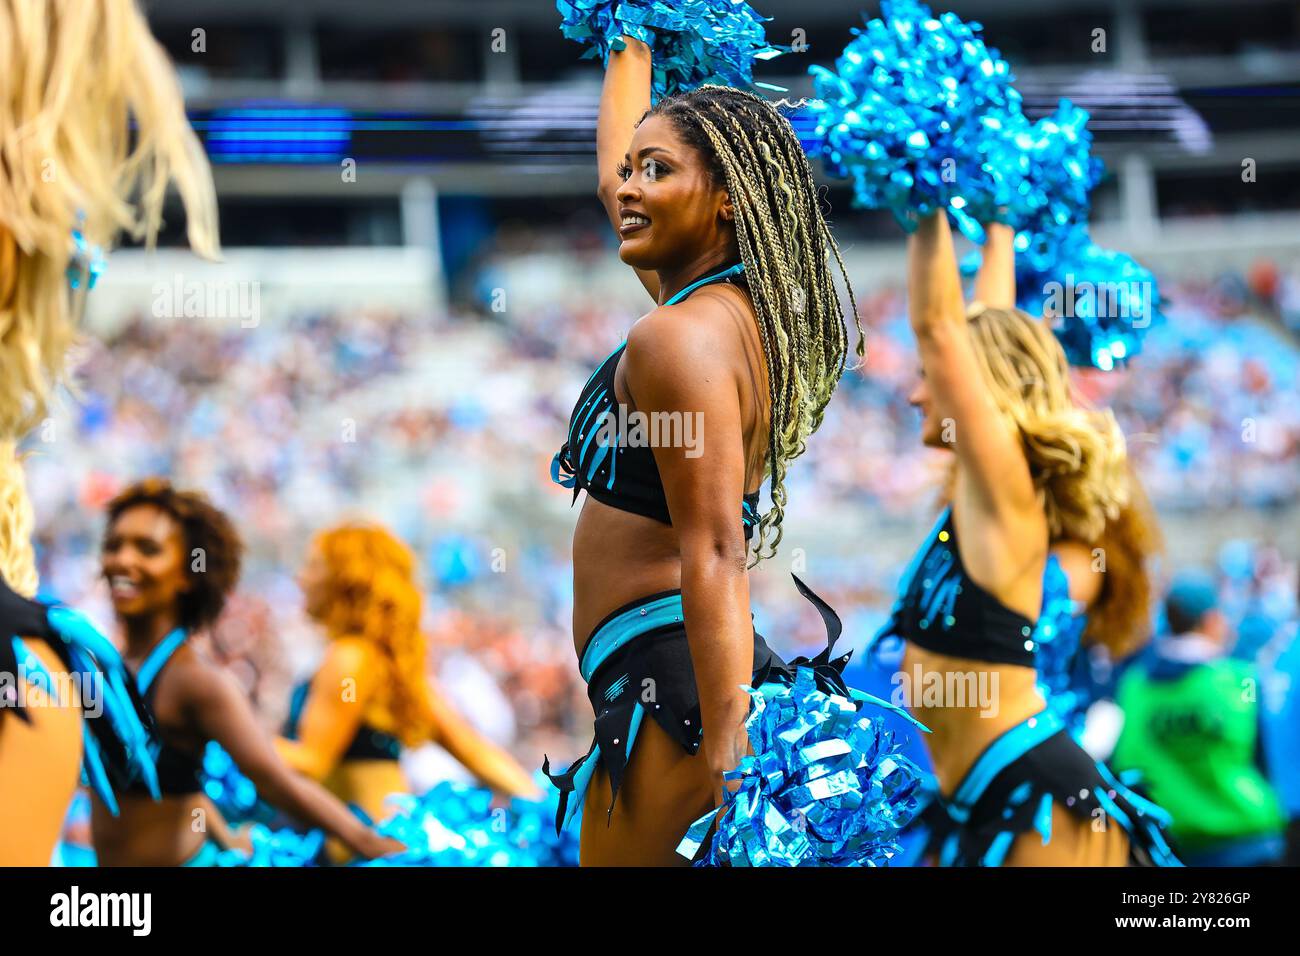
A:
(693, 42)
(921, 116)
(1100, 302)
(826, 786)
(1061, 174)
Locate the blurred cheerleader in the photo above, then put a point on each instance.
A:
(92, 130)
(171, 559)
(371, 697)
(1096, 593)
(1032, 469)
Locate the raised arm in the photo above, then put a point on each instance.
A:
(995, 283)
(676, 363)
(221, 713)
(485, 760)
(987, 447)
(623, 101)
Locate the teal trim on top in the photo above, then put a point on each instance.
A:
(735, 270)
(158, 657)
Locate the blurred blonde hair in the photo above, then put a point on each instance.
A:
(1077, 457)
(1120, 617)
(374, 596)
(92, 130)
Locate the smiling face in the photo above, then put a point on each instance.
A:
(143, 561)
(671, 211)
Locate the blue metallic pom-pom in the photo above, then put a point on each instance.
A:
(1062, 172)
(451, 825)
(922, 116)
(1099, 302)
(456, 825)
(825, 786)
(693, 42)
(233, 794)
(279, 848)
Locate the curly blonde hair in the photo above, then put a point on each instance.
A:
(92, 131)
(1077, 456)
(374, 596)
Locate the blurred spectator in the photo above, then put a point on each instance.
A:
(1192, 727)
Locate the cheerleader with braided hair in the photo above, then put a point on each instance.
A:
(714, 203)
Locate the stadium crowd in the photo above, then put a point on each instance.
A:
(443, 428)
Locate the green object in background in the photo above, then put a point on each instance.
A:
(1193, 734)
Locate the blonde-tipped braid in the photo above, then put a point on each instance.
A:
(1077, 456)
(92, 131)
(17, 558)
(786, 247)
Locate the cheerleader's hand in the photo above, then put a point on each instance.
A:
(241, 838)
(20, 616)
(374, 845)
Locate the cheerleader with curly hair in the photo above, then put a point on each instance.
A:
(170, 560)
(371, 697)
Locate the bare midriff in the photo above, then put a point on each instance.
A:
(959, 734)
(145, 832)
(618, 557)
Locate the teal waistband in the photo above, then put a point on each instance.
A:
(625, 626)
(999, 755)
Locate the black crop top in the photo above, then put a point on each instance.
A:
(941, 609)
(366, 744)
(612, 460)
(178, 772)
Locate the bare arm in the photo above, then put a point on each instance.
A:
(987, 448)
(485, 760)
(624, 98)
(332, 712)
(681, 363)
(220, 712)
(995, 283)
